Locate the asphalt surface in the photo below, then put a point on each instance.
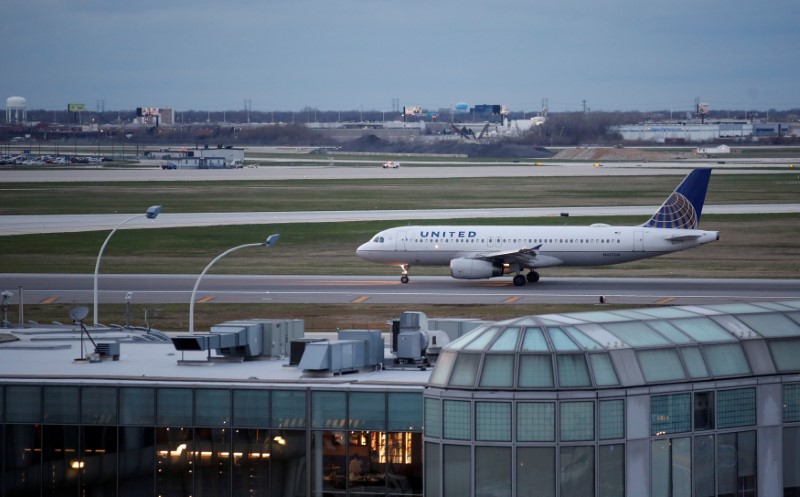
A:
(316, 289)
(326, 170)
(30, 224)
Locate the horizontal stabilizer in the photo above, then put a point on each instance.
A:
(683, 238)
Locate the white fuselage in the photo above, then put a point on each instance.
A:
(596, 245)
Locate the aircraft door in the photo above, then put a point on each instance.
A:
(638, 241)
(401, 241)
(493, 242)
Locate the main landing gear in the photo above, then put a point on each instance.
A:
(404, 278)
(531, 277)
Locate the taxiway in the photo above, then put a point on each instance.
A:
(316, 289)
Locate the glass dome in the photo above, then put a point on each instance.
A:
(624, 348)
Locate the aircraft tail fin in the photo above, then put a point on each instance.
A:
(683, 207)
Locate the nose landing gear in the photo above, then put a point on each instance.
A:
(404, 277)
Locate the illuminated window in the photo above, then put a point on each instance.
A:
(670, 414)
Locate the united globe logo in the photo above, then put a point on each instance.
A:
(677, 212)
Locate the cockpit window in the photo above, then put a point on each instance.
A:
(378, 239)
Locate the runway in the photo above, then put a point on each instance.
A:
(315, 289)
(63, 223)
(351, 170)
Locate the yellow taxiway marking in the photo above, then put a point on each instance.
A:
(363, 298)
(49, 300)
(666, 300)
(205, 299)
(511, 300)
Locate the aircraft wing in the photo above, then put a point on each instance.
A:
(526, 257)
(523, 252)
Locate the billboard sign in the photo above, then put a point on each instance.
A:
(76, 107)
(147, 111)
(487, 109)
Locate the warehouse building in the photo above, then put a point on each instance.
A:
(668, 401)
(679, 132)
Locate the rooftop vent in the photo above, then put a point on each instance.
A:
(246, 339)
(353, 351)
(107, 350)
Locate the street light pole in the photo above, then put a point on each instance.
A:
(270, 241)
(152, 213)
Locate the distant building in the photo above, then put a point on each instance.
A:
(694, 133)
(154, 116)
(203, 158)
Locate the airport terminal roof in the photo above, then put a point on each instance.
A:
(625, 348)
(604, 349)
(49, 353)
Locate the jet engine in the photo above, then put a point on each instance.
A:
(474, 269)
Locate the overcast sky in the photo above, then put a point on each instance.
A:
(362, 54)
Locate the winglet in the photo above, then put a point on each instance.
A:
(683, 207)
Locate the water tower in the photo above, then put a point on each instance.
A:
(15, 107)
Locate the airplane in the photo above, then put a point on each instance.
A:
(391, 165)
(482, 252)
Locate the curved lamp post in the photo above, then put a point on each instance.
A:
(152, 213)
(269, 242)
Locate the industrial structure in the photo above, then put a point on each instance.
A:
(154, 116)
(695, 400)
(16, 110)
(678, 132)
(204, 157)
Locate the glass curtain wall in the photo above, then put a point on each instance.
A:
(165, 441)
(791, 461)
(671, 468)
(22, 455)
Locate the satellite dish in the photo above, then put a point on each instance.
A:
(79, 314)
